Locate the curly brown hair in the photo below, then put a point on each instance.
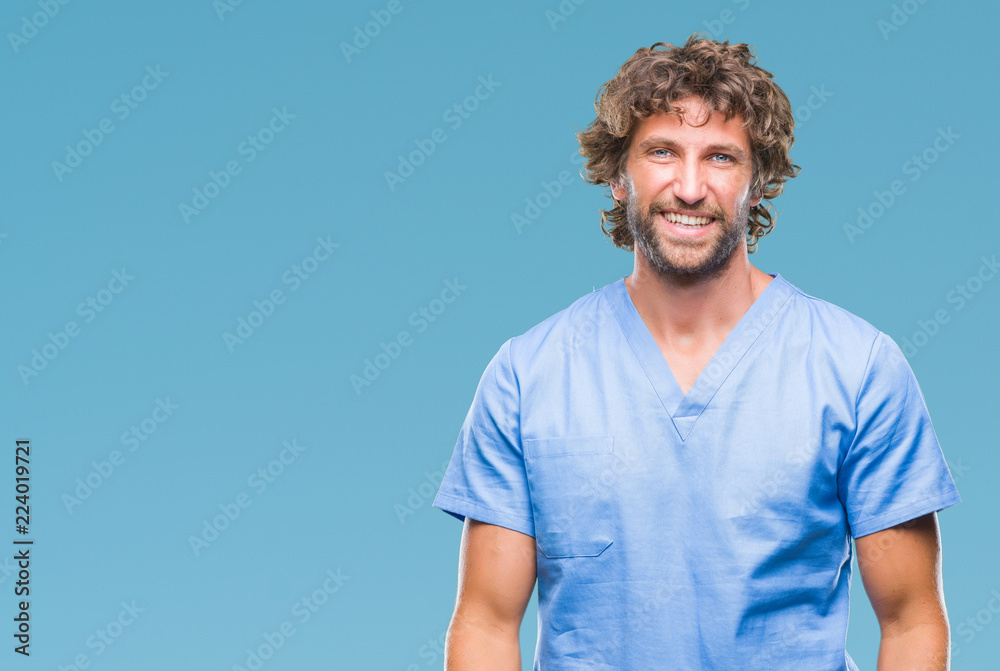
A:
(726, 77)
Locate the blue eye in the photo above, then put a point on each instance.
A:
(728, 158)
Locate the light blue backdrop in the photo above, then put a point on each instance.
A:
(228, 329)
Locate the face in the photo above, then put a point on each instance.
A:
(687, 194)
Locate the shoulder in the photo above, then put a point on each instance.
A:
(572, 329)
(828, 324)
(856, 353)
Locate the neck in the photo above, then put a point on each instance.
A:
(682, 312)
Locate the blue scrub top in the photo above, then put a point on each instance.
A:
(702, 531)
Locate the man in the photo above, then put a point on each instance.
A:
(682, 457)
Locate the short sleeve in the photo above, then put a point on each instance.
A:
(894, 469)
(486, 478)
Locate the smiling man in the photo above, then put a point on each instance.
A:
(704, 241)
(682, 458)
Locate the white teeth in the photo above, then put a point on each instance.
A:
(685, 220)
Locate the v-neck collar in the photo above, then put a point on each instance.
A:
(685, 409)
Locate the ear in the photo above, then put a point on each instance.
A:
(755, 201)
(617, 191)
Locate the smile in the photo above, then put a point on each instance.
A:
(687, 221)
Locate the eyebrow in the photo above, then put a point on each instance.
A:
(667, 142)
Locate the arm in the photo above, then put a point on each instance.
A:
(901, 572)
(496, 576)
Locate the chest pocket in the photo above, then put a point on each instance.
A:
(571, 482)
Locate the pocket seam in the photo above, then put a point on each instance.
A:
(533, 447)
(546, 450)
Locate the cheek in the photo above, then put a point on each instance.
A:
(653, 187)
(734, 195)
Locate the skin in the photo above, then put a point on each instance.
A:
(901, 572)
(496, 576)
(691, 293)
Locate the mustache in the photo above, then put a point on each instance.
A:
(658, 206)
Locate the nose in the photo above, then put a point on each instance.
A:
(689, 182)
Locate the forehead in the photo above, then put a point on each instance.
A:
(693, 131)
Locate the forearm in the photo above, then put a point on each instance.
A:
(922, 647)
(476, 647)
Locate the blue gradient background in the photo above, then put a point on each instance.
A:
(336, 506)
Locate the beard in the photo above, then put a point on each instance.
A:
(681, 259)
